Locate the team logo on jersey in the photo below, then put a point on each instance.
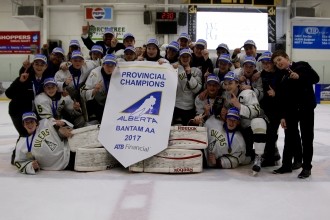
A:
(99, 13)
(51, 145)
(149, 104)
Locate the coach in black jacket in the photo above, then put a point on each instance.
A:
(109, 44)
(297, 101)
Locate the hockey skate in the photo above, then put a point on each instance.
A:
(257, 165)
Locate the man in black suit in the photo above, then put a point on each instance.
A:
(109, 43)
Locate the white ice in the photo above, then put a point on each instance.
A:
(213, 194)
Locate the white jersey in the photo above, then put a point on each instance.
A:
(256, 85)
(250, 107)
(187, 90)
(61, 76)
(47, 108)
(48, 149)
(87, 91)
(200, 104)
(230, 155)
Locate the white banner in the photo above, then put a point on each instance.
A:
(139, 108)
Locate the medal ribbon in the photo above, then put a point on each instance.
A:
(230, 140)
(76, 83)
(106, 85)
(211, 109)
(29, 144)
(54, 107)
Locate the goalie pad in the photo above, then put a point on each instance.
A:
(85, 137)
(171, 161)
(94, 159)
(188, 137)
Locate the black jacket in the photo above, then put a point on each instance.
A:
(270, 79)
(298, 94)
(89, 44)
(22, 94)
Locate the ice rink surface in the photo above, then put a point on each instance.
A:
(120, 195)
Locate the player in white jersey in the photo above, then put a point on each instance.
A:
(189, 84)
(247, 77)
(226, 147)
(95, 90)
(52, 104)
(204, 107)
(252, 118)
(75, 76)
(44, 148)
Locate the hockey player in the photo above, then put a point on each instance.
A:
(246, 77)
(221, 49)
(96, 53)
(152, 53)
(201, 60)
(189, 84)
(129, 55)
(204, 107)
(23, 90)
(45, 146)
(226, 147)
(56, 57)
(250, 49)
(51, 104)
(95, 91)
(271, 78)
(224, 65)
(172, 52)
(73, 45)
(184, 41)
(72, 79)
(128, 41)
(252, 118)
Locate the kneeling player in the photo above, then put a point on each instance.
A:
(226, 147)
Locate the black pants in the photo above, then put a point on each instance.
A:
(182, 117)
(304, 118)
(72, 160)
(249, 139)
(18, 123)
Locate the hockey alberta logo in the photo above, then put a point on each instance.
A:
(149, 104)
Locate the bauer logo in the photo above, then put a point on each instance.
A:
(312, 30)
(149, 104)
(99, 13)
